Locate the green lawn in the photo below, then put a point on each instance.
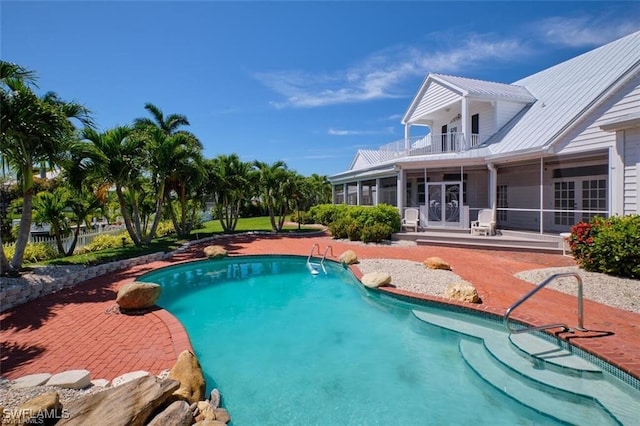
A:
(169, 243)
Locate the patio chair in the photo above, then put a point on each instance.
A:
(485, 225)
(411, 219)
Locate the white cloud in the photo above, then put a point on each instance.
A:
(583, 31)
(344, 132)
(382, 74)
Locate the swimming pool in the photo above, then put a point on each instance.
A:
(288, 347)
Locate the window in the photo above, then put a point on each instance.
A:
(564, 198)
(444, 138)
(475, 129)
(421, 192)
(594, 197)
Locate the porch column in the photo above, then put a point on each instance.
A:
(344, 191)
(359, 192)
(493, 189)
(616, 176)
(400, 189)
(333, 194)
(376, 201)
(465, 125)
(407, 136)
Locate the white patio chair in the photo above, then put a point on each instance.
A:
(485, 225)
(411, 219)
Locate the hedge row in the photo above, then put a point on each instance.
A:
(358, 223)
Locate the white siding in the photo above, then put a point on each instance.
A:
(360, 162)
(589, 136)
(505, 111)
(631, 171)
(436, 97)
(487, 120)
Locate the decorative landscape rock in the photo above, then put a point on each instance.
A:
(71, 379)
(100, 383)
(188, 372)
(376, 279)
(462, 292)
(349, 257)
(210, 423)
(130, 404)
(214, 398)
(222, 415)
(215, 252)
(437, 263)
(31, 380)
(34, 410)
(176, 414)
(138, 295)
(205, 412)
(127, 377)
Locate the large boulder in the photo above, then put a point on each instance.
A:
(349, 257)
(188, 372)
(138, 295)
(176, 414)
(463, 292)
(129, 404)
(376, 279)
(215, 252)
(437, 263)
(44, 407)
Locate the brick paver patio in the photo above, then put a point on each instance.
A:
(80, 327)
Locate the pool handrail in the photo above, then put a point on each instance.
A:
(538, 287)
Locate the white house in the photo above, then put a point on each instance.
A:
(543, 153)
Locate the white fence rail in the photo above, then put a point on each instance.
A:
(84, 239)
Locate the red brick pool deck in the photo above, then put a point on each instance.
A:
(79, 327)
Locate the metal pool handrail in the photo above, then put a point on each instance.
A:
(537, 288)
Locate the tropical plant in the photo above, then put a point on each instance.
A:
(168, 148)
(232, 183)
(51, 208)
(33, 130)
(275, 183)
(120, 164)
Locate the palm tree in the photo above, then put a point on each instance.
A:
(33, 130)
(168, 147)
(186, 185)
(120, 164)
(274, 183)
(51, 208)
(232, 182)
(320, 189)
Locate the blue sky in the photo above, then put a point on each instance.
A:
(308, 83)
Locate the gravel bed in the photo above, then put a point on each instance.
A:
(38, 274)
(11, 398)
(412, 276)
(622, 293)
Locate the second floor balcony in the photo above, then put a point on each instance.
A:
(432, 143)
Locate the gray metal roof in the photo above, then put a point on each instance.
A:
(565, 92)
(486, 89)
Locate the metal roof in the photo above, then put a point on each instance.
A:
(485, 89)
(565, 93)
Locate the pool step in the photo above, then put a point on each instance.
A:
(540, 365)
(578, 411)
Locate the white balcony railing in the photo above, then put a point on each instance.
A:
(429, 144)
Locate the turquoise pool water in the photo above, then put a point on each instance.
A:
(287, 347)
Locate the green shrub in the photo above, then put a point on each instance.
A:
(339, 228)
(611, 246)
(301, 217)
(354, 231)
(33, 252)
(164, 228)
(106, 241)
(362, 223)
(376, 233)
(326, 214)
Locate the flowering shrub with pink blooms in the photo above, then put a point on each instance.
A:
(609, 245)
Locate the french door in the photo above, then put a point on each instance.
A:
(443, 204)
